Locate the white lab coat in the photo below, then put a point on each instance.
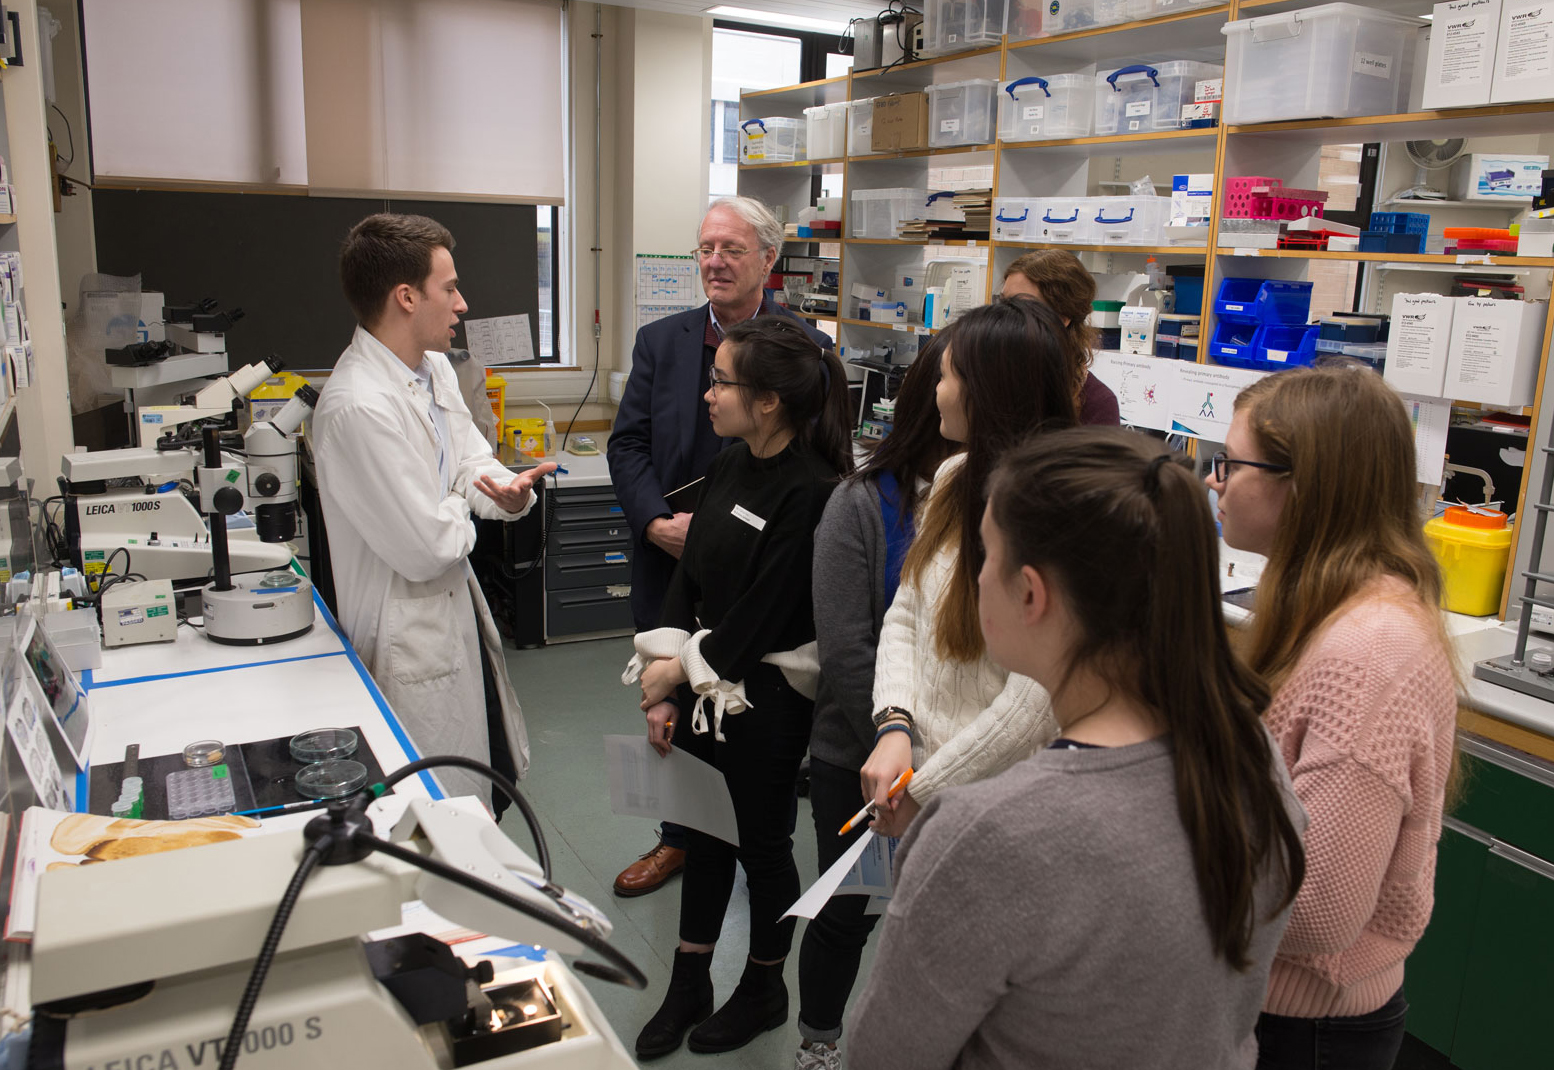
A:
(407, 598)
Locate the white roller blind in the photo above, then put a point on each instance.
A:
(435, 97)
(196, 90)
(432, 98)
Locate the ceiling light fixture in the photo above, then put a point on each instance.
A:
(771, 18)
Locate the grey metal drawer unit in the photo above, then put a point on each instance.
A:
(586, 609)
(590, 506)
(588, 564)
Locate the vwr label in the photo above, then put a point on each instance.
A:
(208, 1052)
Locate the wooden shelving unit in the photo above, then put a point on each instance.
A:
(1067, 166)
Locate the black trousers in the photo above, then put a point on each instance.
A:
(1362, 1042)
(833, 942)
(759, 760)
(496, 733)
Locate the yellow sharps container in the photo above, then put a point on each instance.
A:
(1472, 546)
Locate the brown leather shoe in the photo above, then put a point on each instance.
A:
(649, 872)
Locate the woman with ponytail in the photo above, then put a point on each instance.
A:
(1318, 474)
(730, 675)
(1115, 899)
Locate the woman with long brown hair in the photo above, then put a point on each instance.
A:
(941, 706)
(1318, 473)
(1056, 278)
(1114, 900)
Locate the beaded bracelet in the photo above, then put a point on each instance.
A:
(894, 726)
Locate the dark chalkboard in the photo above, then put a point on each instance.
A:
(277, 258)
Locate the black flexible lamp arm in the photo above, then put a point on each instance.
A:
(623, 971)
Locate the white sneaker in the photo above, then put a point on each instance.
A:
(818, 1057)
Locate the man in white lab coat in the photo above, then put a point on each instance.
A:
(401, 466)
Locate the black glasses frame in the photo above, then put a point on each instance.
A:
(713, 382)
(1221, 462)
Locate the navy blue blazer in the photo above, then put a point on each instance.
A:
(662, 439)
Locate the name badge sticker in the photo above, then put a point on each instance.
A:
(749, 518)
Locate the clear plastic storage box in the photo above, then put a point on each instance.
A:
(1016, 218)
(826, 131)
(956, 25)
(1111, 12)
(1337, 60)
(773, 140)
(860, 127)
(1129, 220)
(875, 213)
(1068, 16)
(1066, 221)
(1147, 96)
(1035, 108)
(961, 113)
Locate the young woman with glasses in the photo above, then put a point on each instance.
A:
(738, 604)
(1318, 474)
(1115, 899)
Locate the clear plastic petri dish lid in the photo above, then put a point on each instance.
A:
(203, 753)
(323, 744)
(331, 779)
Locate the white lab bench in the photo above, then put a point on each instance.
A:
(165, 695)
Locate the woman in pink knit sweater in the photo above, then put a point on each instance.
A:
(1318, 473)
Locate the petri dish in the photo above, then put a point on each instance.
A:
(331, 779)
(203, 753)
(323, 744)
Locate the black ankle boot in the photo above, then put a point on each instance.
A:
(759, 1003)
(688, 1001)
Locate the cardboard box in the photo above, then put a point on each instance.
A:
(1461, 63)
(900, 123)
(1493, 358)
(1138, 329)
(1497, 176)
(1524, 53)
(1418, 343)
(1192, 200)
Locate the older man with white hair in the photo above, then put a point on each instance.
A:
(663, 437)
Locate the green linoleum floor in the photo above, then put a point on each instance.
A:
(572, 697)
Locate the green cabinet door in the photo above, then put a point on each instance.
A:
(1433, 977)
(1508, 989)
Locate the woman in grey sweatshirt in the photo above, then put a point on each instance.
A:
(1114, 900)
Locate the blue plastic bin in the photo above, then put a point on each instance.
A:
(1400, 222)
(1263, 301)
(1373, 241)
(1233, 342)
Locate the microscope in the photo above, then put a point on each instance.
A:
(164, 511)
(150, 961)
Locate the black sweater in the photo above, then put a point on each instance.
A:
(745, 572)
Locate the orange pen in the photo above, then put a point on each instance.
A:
(868, 811)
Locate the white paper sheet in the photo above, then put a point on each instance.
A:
(1431, 417)
(500, 339)
(866, 868)
(1144, 387)
(1204, 396)
(678, 788)
(810, 902)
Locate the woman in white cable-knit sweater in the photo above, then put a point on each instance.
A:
(941, 706)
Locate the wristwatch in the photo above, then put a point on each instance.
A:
(891, 711)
